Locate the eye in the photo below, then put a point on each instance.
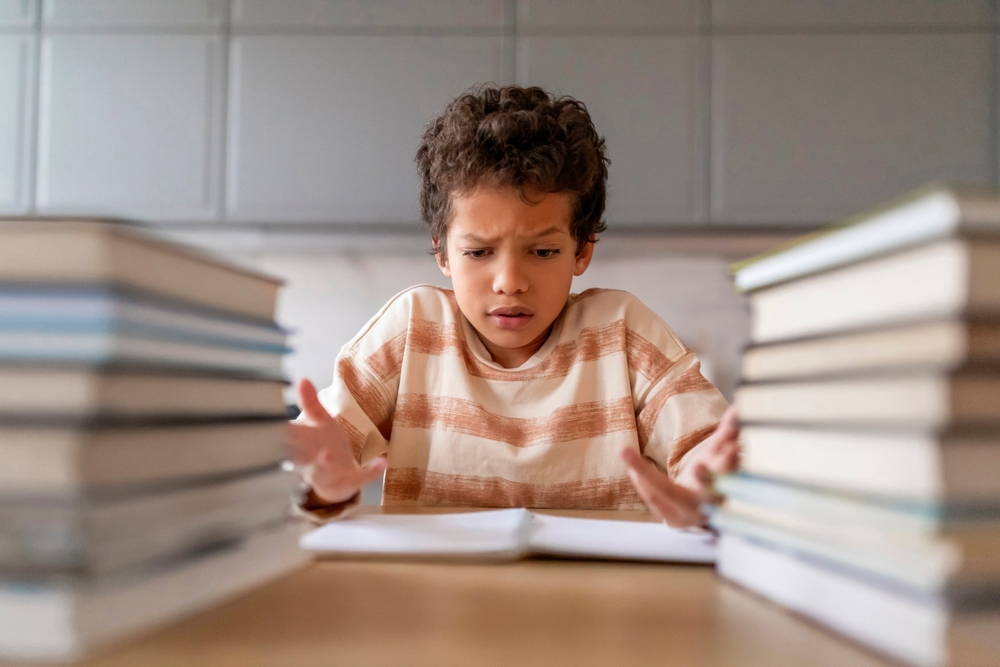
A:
(546, 253)
(477, 253)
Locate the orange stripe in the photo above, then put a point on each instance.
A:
(432, 488)
(689, 381)
(572, 422)
(367, 396)
(354, 436)
(686, 443)
(595, 342)
(387, 361)
(644, 357)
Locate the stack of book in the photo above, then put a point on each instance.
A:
(141, 434)
(869, 498)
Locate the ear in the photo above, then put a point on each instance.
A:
(441, 258)
(584, 256)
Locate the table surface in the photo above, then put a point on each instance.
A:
(532, 612)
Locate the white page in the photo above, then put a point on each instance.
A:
(495, 534)
(625, 540)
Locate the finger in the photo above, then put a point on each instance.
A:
(309, 402)
(707, 481)
(728, 428)
(674, 513)
(645, 469)
(673, 503)
(660, 480)
(724, 445)
(373, 470)
(730, 422)
(651, 499)
(635, 460)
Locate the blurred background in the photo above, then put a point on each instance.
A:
(282, 132)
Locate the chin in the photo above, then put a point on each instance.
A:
(511, 340)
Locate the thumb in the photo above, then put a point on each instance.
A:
(728, 428)
(309, 402)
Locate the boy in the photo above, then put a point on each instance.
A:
(509, 390)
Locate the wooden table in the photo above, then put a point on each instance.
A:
(534, 612)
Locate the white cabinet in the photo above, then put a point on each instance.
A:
(647, 97)
(18, 13)
(17, 76)
(772, 14)
(131, 125)
(126, 14)
(319, 14)
(807, 128)
(325, 128)
(562, 15)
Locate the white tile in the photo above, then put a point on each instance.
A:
(367, 13)
(71, 14)
(17, 76)
(327, 299)
(131, 125)
(809, 128)
(325, 128)
(18, 13)
(603, 15)
(850, 13)
(646, 97)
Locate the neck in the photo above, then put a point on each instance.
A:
(512, 357)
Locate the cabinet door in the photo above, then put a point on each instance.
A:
(325, 128)
(176, 14)
(130, 125)
(269, 14)
(796, 14)
(647, 98)
(18, 13)
(17, 74)
(812, 127)
(562, 15)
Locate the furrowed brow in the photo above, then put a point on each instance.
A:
(547, 232)
(472, 238)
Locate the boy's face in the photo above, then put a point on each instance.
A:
(512, 264)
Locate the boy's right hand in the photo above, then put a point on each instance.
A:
(320, 446)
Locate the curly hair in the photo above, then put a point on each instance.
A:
(508, 136)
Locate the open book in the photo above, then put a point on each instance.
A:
(508, 534)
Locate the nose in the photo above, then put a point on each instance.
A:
(509, 277)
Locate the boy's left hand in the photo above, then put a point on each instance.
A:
(678, 501)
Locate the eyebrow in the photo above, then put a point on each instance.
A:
(550, 230)
(479, 239)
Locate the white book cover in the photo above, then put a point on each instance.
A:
(930, 213)
(917, 629)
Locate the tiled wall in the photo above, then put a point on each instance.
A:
(265, 112)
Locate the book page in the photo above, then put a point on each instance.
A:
(491, 534)
(619, 540)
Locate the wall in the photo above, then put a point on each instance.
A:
(261, 113)
(275, 130)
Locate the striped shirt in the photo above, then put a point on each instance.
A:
(418, 384)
